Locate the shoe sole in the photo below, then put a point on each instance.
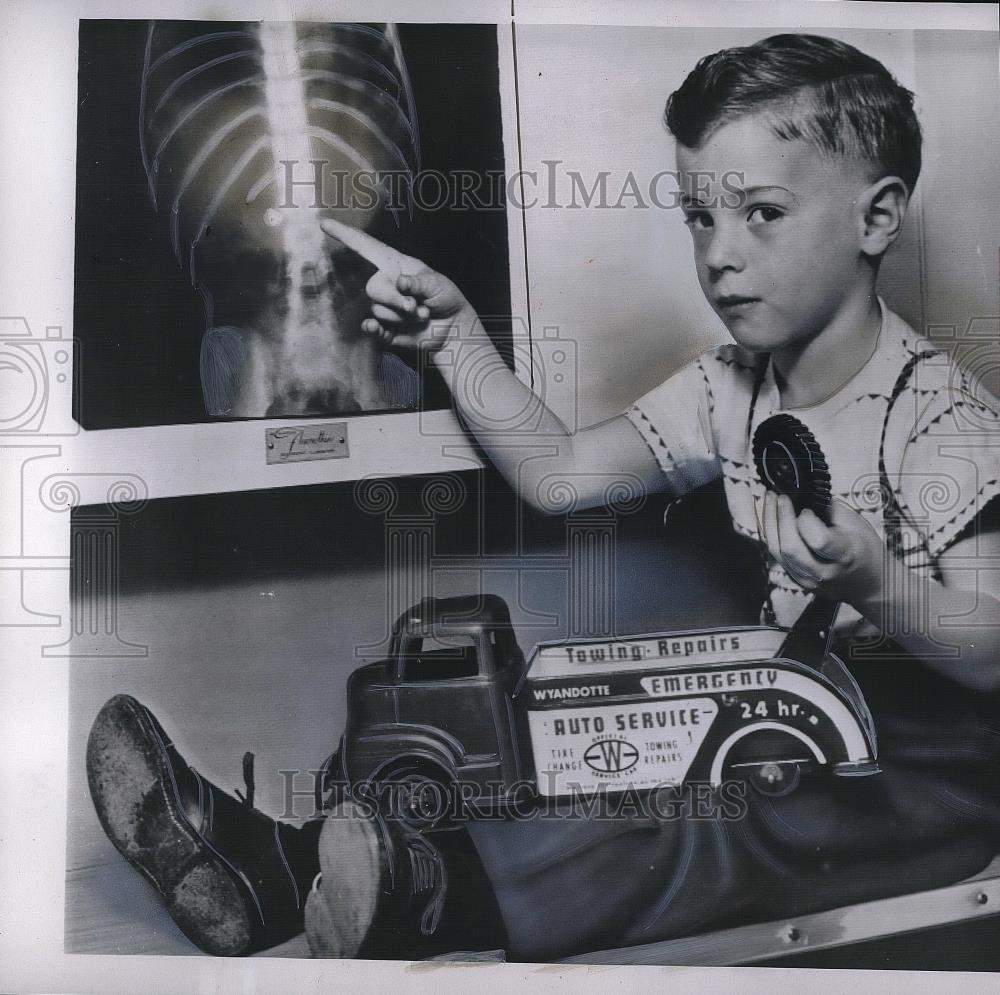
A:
(133, 790)
(341, 905)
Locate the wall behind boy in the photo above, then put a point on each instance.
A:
(618, 276)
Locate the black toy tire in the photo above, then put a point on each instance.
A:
(790, 461)
(419, 795)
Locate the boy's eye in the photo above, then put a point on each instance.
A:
(698, 219)
(764, 213)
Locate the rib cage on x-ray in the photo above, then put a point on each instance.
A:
(249, 135)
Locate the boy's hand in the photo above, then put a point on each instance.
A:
(412, 305)
(842, 561)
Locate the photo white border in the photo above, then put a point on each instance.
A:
(38, 101)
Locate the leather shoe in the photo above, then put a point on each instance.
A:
(233, 879)
(388, 891)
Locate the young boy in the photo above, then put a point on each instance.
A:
(826, 148)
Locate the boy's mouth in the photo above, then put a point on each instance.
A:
(736, 304)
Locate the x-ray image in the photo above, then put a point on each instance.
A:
(208, 155)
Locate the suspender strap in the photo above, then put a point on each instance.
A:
(893, 515)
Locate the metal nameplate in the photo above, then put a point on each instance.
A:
(301, 443)
(621, 746)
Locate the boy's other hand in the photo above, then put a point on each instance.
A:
(413, 306)
(842, 561)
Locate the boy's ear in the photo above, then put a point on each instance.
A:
(882, 210)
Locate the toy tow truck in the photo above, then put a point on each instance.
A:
(455, 705)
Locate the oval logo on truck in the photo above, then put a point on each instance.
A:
(611, 756)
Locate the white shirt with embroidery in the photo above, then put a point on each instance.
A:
(941, 448)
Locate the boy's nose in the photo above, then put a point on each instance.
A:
(724, 250)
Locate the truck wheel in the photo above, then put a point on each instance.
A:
(415, 795)
(776, 779)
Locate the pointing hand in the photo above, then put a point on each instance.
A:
(413, 306)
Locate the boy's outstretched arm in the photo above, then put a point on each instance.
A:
(553, 470)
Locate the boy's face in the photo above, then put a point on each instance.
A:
(776, 227)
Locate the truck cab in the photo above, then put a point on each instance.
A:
(438, 710)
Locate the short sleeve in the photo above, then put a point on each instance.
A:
(675, 420)
(949, 468)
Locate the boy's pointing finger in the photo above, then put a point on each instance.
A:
(384, 257)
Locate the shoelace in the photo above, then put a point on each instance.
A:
(428, 873)
(248, 780)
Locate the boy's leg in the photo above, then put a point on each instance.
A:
(237, 881)
(541, 889)
(571, 885)
(577, 885)
(552, 886)
(233, 879)
(930, 818)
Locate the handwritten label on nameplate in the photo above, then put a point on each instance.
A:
(301, 443)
